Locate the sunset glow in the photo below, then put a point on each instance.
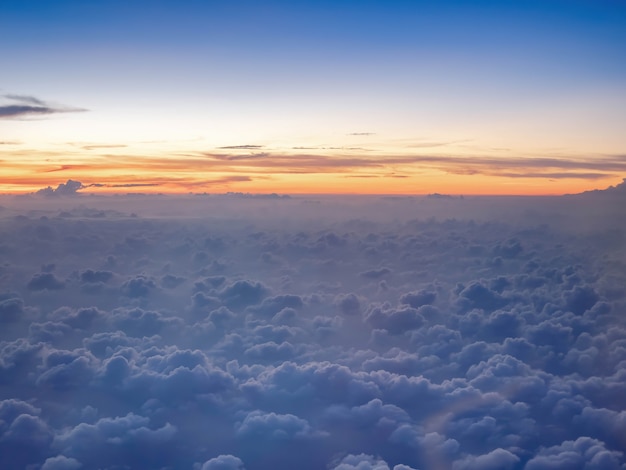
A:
(380, 98)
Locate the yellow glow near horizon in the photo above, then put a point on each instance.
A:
(120, 180)
(353, 163)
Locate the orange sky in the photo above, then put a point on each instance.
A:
(297, 170)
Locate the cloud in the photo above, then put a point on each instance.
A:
(23, 106)
(190, 170)
(227, 179)
(375, 273)
(69, 188)
(121, 185)
(499, 459)
(272, 426)
(584, 452)
(11, 309)
(223, 462)
(140, 286)
(45, 281)
(365, 462)
(60, 462)
(103, 146)
(353, 333)
(108, 441)
(89, 275)
(242, 147)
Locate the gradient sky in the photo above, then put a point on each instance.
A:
(470, 97)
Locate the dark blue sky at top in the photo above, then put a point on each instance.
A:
(574, 33)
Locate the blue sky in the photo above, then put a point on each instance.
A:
(539, 79)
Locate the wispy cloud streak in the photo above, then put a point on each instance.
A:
(19, 106)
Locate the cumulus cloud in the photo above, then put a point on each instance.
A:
(223, 462)
(61, 462)
(69, 188)
(45, 281)
(231, 332)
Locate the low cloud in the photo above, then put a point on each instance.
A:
(241, 147)
(217, 332)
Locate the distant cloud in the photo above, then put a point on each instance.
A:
(362, 133)
(69, 188)
(66, 167)
(243, 157)
(556, 175)
(362, 176)
(132, 185)
(103, 146)
(241, 147)
(512, 167)
(434, 144)
(24, 105)
(526, 167)
(186, 171)
(224, 180)
(121, 185)
(356, 149)
(617, 189)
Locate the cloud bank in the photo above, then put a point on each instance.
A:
(231, 332)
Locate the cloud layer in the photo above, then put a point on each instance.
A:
(237, 332)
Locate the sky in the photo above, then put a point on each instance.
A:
(381, 97)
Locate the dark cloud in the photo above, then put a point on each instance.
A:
(477, 295)
(139, 286)
(395, 321)
(418, 299)
(375, 273)
(170, 281)
(45, 281)
(11, 309)
(23, 106)
(349, 304)
(89, 275)
(243, 293)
